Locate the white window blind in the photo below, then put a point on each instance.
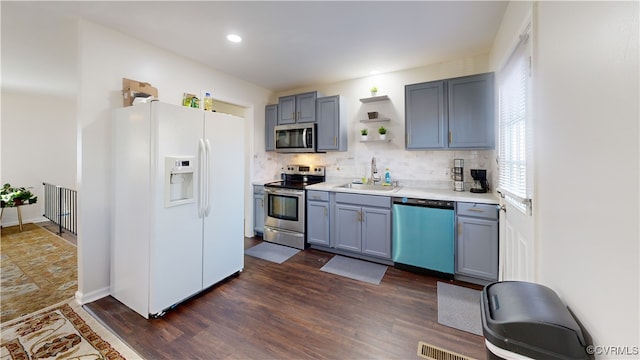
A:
(514, 137)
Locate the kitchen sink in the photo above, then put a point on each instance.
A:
(369, 187)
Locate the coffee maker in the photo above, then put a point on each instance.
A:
(457, 175)
(480, 183)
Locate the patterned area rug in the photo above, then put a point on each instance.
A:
(62, 331)
(37, 269)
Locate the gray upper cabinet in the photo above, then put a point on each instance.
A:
(300, 108)
(471, 120)
(270, 121)
(332, 124)
(454, 113)
(425, 115)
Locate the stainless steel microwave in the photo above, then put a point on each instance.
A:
(296, 138)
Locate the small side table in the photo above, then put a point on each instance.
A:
(19, 214)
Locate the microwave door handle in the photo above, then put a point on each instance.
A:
(304, 138)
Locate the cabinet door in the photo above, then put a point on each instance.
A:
(287, 110)
(328, 120)
(425, 116)
(318, 222)
(270, 121)
(348, 227)
(306, 107)
(258, 213)
(470, 106)
(477, 249)
(376, 232)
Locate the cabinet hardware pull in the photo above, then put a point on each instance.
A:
(450, 137)
(476, 210)
(325, 212)
(335, 140)
(459, 229)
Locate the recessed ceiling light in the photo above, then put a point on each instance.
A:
(234, 38)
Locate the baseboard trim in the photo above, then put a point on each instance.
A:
(92, 296)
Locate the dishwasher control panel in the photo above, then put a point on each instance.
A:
(440, 204)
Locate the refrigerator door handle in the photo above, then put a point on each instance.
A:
(207, 207)
(201, 180)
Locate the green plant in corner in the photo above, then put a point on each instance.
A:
(382, 130)
(373, 90)
(364, 132)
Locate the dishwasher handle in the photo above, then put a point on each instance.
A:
(440, 204)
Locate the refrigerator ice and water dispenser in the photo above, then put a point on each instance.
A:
(179, 173)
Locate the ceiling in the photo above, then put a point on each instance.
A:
(293, 44)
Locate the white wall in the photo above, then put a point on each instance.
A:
(105, 57)
(587, 148)
(38, 105)
(586, 118)
(426, 168)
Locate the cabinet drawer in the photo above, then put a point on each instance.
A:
(364, 200)
(315, 195)
(485, 211)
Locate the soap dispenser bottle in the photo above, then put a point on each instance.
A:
(387, 176)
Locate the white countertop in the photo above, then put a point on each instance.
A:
(414, 192)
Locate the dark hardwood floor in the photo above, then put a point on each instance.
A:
(295, 311)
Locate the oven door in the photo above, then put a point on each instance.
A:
(284, 209)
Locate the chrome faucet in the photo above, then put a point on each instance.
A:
(375, 177)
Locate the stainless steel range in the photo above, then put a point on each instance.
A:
(285, 201)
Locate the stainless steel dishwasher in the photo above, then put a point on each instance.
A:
(423, 234)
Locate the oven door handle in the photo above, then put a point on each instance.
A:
(283, 191)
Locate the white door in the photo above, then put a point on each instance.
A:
(223, 248)
(516, 165)
(176, 239)
(517, 249)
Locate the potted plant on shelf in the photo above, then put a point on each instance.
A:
(10, 196)
(374, 90)
(383, 132)
(364, 132)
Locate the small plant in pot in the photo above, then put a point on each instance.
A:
(383, 132)
(374, 90)
(10, 196)
(364, 133)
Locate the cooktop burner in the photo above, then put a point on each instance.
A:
(299, 176)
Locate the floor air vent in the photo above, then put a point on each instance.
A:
(428, 351)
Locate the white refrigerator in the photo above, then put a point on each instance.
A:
(178, 204)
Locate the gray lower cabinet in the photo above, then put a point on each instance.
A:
(362, 224)
(258, 209)
(477, 243)
(318, 218)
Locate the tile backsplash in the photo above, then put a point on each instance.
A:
(415, 168)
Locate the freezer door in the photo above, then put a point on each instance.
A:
(176, 246)
(223, 247)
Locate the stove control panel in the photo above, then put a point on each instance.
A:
(318, 170)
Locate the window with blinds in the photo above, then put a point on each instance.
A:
(514, 138)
